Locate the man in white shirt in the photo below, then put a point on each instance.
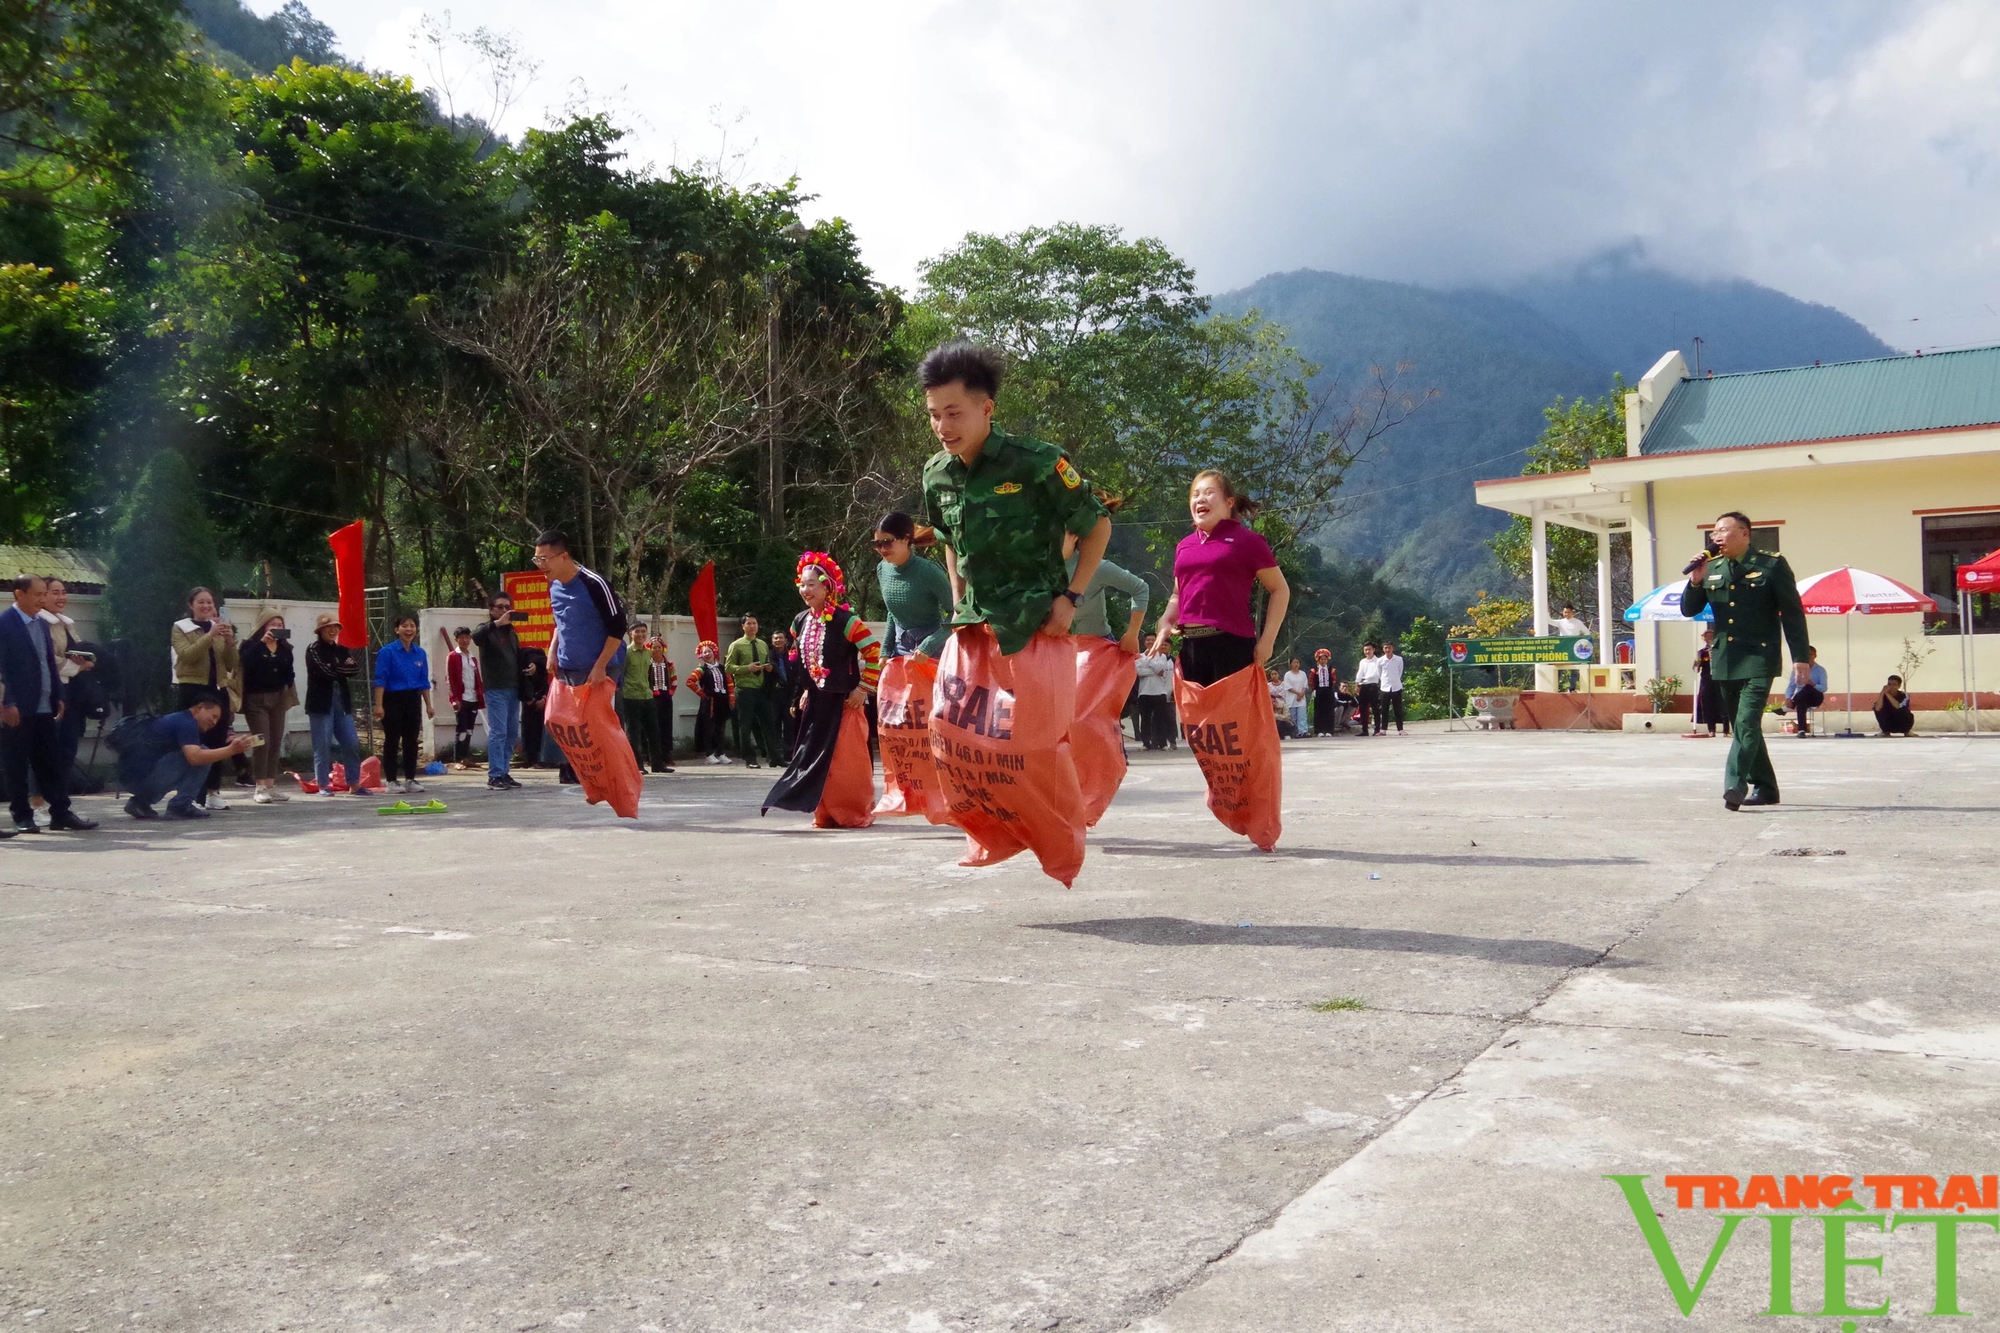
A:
(1368, 681)
(1156, 702)
(1389, 681)
(1568, 626)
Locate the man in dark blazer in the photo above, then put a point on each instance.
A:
(31, 704)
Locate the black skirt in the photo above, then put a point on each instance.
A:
(812, 753)
(1212, 657)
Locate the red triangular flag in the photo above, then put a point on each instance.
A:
(350, 571)
(701, 604)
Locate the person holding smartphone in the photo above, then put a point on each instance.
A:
(270, 688)
(500, 676)
(207, 663)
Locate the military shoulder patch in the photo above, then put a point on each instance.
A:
(1070, 476)
(1007, 488)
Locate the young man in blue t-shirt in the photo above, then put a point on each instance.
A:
(590, 620)
(171, 757)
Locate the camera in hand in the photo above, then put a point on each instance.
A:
(281, 633)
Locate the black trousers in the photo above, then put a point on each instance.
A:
(1326, 711)
(1213, 657)
(531, 733)
(35, 745)
(402, 715)
(756, 727)
(663, 728)
(711, 725)
(467, 720)
(1371, 707)
(1387, 702)
(1804, 700)
(1156, 721)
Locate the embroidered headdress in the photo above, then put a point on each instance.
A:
(830, 569)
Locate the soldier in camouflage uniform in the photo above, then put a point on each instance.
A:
(1755, 597)
(1001, 503)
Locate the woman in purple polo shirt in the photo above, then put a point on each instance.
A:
(1215, 569)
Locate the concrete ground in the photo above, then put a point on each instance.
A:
(524, 1066)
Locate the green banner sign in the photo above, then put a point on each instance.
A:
(1522, 650)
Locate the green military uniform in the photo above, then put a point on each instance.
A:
(1004, 519)
(756, 720)
(1754, 598)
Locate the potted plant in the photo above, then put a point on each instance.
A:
(1661, 690)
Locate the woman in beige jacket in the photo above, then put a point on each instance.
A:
(206, 658)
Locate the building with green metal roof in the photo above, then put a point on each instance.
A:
(1889, 465)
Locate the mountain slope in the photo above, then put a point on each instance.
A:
(1628, 315)
(1497, 359)
(1495, 363)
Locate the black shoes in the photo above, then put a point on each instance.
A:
(138, 809)
(30, 827)
(186, 812)
(1741, 795)
(72, 824)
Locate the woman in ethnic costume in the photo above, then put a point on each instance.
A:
(831, 774)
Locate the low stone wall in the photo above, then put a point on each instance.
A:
(1825, 722)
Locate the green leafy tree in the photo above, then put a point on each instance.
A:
(303, 331)
(54, 336)
(163, 545)
(1578, 431)
(1423, 647)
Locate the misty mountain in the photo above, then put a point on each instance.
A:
(1627, 315)
(1497, 359)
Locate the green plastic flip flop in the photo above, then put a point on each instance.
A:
(399, 808)
(431, 807)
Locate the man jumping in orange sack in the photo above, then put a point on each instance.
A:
(1006, 688)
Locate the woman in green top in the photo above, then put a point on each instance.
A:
(916, 591)
(1092, 618)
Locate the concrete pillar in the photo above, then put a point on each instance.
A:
(1605, 619)
(1545, 676)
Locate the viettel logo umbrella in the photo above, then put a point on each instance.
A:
(1980, 573)
(1850, 591)
(1664, 603)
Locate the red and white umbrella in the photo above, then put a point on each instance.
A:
(1856, 592)
(1849, 591)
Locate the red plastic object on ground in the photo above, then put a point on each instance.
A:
(585, 725)
(371, 774)
(998, 729)
(1233, 736)
(1104, 676)
(903, 718)
(848, 798)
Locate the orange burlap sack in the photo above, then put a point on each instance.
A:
(903, 723)
(848, 798)
(1104, 676)
(997, 734)
(1233, 736)
(585, 725)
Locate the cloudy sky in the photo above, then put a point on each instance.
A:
(1843, 152)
